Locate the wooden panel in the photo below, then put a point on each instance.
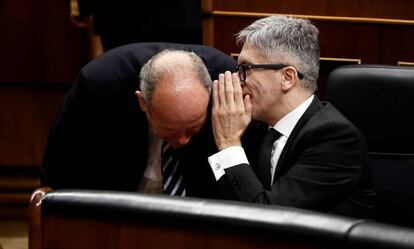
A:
(341, 41)
(72, 232)
(41, 54)
(337, 40)
(396, 44)
(349, 40)
(14, 212)
(399, 9)
(39, 44)
(16, 185)
(26, 114)
(347, 30)
(224, 30)
(25, 117)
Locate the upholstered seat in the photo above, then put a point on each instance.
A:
(108, 219)
(379, 100)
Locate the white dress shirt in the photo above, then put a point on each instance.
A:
(235, 155)
(151, 181)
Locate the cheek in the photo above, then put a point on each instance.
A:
(254, 90)
(161, 133)
(198, 128)
(159, 130)
(166, 135)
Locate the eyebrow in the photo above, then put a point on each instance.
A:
(244, 61)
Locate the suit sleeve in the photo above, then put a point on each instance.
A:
(63, 150)
(323, 167)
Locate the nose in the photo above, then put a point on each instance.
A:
(183, 139)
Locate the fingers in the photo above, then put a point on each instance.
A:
(215, 95)
(238, 93)
(221, 91)
(229, 116)
(229, 91)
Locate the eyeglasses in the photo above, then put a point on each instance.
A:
(242, 69)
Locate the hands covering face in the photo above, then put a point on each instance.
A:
(231, 113)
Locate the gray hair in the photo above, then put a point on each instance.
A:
(151, 72)
(289, 41)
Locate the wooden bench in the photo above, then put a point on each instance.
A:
(97, 219)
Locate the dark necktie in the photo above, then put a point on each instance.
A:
(172, 176)
(265, 155)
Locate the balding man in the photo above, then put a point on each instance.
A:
(106, 137)
(175, 92)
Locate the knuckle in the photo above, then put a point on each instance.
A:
(221, 113)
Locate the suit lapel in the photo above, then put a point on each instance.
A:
(283, 164)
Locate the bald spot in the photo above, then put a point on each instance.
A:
(179, 98)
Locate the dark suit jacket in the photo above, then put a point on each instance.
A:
(99, 138)
(126, 21)
(323, 166)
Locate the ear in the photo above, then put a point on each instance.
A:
(141, 100)
(289, 78)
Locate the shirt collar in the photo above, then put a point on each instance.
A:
(287, 123)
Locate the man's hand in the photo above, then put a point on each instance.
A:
(231, 114)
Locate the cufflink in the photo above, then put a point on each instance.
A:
(217, 166)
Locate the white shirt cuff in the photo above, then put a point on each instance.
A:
(227, 158)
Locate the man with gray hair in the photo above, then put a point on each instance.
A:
(311, 156)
